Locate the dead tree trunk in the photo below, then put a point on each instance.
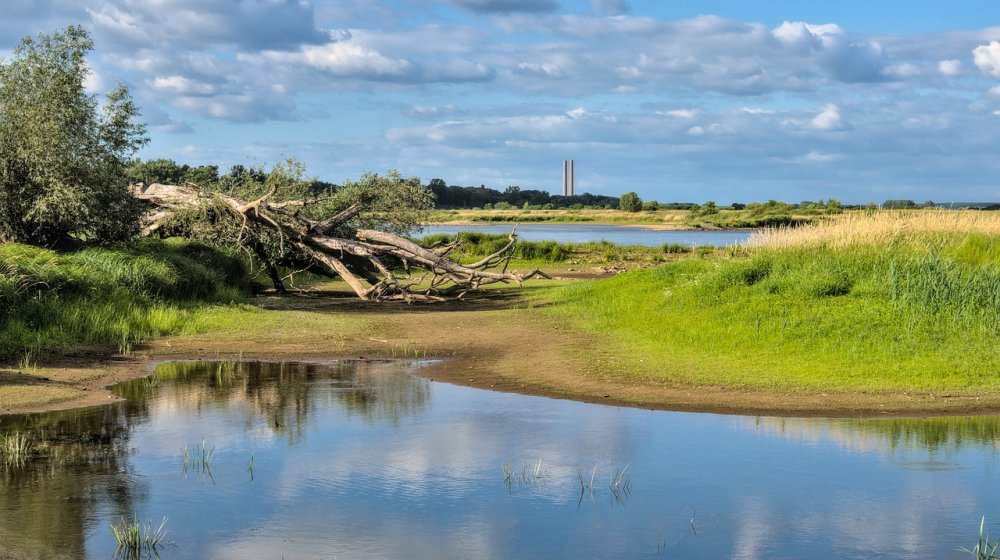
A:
(368, 264)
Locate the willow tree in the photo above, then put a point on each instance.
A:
(63, 154)
(288, 222)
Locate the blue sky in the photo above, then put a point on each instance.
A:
(679, 101)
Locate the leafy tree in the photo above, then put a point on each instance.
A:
(166, 171)
(630, 202)
(62, 157)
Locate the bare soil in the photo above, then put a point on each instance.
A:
(494, 341)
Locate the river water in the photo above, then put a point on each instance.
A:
(619, 235)
(360, 459)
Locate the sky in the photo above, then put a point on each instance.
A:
(724, 100)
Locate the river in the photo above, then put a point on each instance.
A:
(362, 459)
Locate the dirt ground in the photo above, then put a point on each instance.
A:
(494, 341)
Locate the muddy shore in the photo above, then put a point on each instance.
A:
(496, 342)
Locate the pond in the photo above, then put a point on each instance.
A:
(619, 235)
(361, 459)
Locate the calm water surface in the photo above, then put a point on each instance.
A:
(619, 235)
(363, 460)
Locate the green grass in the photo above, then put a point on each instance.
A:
(138, 540)
(108, 298)
(907, 315)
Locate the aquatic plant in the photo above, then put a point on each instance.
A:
(251, 467)
(15, 448)
(138, 540)
(202, 462)
(984, 549)
(620, 484)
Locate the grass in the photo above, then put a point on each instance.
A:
(674, 218)
(138, 540)
(15, 449)
(108, 298)
(883, 302)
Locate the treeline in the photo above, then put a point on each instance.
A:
(169, 172)
(453, 196)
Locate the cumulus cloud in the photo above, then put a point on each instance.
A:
(506, 6)
(249, 25)
(828, 119)
(987, 58)
(951, 68)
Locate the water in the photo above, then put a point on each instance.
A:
(619, 235)
(363, 460)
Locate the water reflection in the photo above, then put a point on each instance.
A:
(933, 435)
(363, 460)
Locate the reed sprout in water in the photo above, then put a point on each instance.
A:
(985, 549)
(16, 448)
(202, 462)
(138, 540)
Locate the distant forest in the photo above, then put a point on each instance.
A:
(460, 197)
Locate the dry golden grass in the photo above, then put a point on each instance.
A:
(881, 228)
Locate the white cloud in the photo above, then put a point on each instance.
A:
(994, 92)
(682, 113)
(757, 111)
(819, 157)
(828, 118)
(951, 68)
(802, 35)
(987, 58)
(181, 85)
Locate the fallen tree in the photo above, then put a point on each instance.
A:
(284, 233)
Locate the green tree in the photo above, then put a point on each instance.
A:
(630, 202)
(63, 158)
(166, 171)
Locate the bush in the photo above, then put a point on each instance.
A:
(630, 202)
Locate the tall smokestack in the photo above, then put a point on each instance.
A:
(571, 186)
(565, 178)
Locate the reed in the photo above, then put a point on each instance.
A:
(881, 228)
(984, 549)
(16, 449)
(138, 540)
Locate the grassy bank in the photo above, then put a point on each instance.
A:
(771, 214)
(108, 299)
(892, 301)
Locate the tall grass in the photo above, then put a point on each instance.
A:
(110, 298)
(138, 540)
(887, 301)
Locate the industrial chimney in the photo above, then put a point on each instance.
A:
(567, 177)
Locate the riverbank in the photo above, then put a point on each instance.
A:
(771, 214)
(891, 314)
(500, 341)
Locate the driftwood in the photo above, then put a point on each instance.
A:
(367, 264)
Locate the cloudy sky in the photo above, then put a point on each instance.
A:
(679, 101)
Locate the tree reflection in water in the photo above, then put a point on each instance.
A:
(81, 473)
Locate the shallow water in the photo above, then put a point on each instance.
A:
(363, 460)
(619, 235)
